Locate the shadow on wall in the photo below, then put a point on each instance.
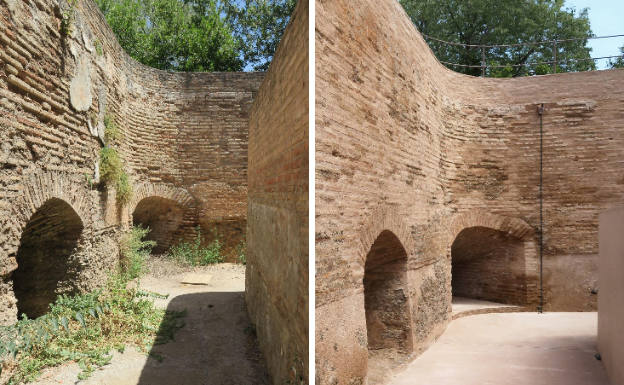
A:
(216, 346)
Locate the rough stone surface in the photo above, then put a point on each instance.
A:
(405, 145)
(611, 294)
(184, 139)
(277, 227)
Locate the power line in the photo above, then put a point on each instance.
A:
(530, 64)
(519, 44)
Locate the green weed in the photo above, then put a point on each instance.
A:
(242, 252)
(112, 172)
(194, 254)
(85, 328)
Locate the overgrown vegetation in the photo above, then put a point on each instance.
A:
(85, 328)
(112, 172)
(194, 254)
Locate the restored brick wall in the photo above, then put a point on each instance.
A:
(407, 146)
(52, 87)
(277, 229)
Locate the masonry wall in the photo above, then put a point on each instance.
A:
(611, 294)
(55, 92)
(405, 145)
(277, 231)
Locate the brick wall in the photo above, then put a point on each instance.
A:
(407, 146)
(277, 229)
(184, 136)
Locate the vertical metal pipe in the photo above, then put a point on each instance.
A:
(482, 61)
(555, 56)
(540, 111)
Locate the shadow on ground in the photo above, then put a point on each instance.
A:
(216, 346)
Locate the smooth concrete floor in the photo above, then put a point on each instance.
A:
(511, 349)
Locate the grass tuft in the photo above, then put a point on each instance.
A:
(194, 254)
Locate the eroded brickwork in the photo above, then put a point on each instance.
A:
(277, 231)
(407, 146)
(184, 138)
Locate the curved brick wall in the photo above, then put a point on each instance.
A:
(407, 146)
(184, 136)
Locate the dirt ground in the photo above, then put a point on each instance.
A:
(217, 345)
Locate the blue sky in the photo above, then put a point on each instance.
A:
(606, 18)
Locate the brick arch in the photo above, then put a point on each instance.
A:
(39, 188)
(384, 218)
(145, 190)
(481, 218)
(513, 227)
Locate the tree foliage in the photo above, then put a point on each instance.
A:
(486, 22)
(619, 62)
(199, 35)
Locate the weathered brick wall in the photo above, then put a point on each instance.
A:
(184, 136)
(277, 230)
(407, 146)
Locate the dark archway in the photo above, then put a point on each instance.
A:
(163, 216)
(386, 298)
(49, 239)
(489, 265)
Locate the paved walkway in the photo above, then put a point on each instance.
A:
(462, 305)
(511, 349)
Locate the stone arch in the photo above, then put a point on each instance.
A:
(168, 211)
(43, 258)
(493, 257)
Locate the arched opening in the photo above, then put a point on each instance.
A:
(43, 257)
(386, 300)
(488, 264)
(163, 216)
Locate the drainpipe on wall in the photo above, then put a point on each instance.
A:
(540, 112)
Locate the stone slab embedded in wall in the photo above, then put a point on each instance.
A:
(80, 86)
(611, 294)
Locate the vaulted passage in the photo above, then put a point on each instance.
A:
(163, 217)
(43, 257)
(489, 265)
(386, 296)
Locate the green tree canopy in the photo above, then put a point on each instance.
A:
(619, 62)
(486, 22)
(200, 35)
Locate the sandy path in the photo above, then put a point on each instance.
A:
(215, 347)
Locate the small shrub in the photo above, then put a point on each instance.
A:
(194, 254)
(111, 131)
(242, 252)
(124, 188)
(98, 47)
(69, 15)
(110, 165)
(135, 251)
(111, 172)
